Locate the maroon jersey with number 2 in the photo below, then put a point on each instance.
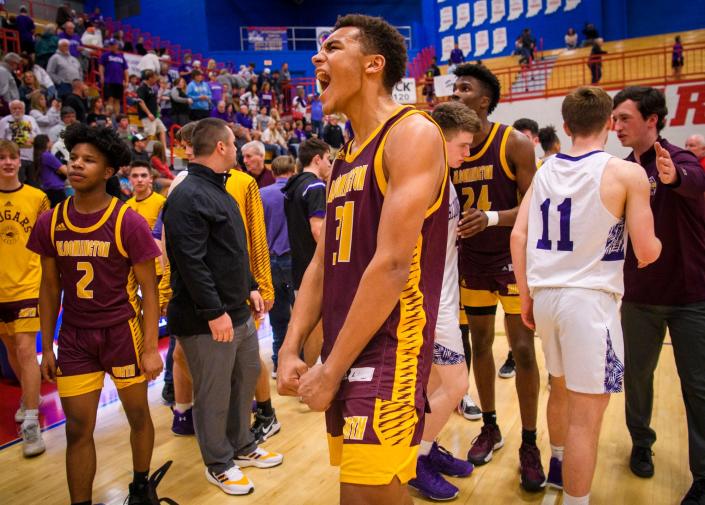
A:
(94, 254)
(396, 362)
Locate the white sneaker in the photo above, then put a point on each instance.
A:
(232, 481)
(19, 415)
(32, 441)
(260, 458)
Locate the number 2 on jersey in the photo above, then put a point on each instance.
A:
(564, 242)
(82, 290)
(483, 202)
(343, 232)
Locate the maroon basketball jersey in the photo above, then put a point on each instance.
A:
(484, 181)
(397, 359)
(94, 264)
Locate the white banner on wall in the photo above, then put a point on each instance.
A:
(498, 11)
(443, 84)
(446, 18)
(480, 12)
(405, 91)
(322, 33)
(465, 43)
(482, 42)
(516, 9)
(499, 39)
(133, 60)
(463, 16)
(447, 44)
(571, 5)
(552, 6)
(533, 7)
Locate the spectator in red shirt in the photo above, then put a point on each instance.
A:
(158, 161)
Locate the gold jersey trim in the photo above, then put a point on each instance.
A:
(118, 230)
(488, 143)
(350, 157)
(503, 154)
(89, 229)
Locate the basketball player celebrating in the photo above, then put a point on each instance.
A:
(19, 290)
(91, 246)
(379, 269)
(568, 247)
(500, 167)
(449, 374)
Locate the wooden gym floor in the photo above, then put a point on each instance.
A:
(306, 478)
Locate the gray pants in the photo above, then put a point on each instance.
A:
(644, 331)
(224, 379)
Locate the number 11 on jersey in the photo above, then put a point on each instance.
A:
(564, 242)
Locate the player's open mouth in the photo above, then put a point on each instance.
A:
(323, 79)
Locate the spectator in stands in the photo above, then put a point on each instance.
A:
(122, 127)
(166, 71)
(433, 67)
(550, 143)
(25, 26)
(69, 33)
(76, 99)
(180, 102)
(261, 120)
(149, 61)
(159, 163)
(595, 61)
(8, 85)
(186, 69)
(528, 127)
(297, 136)
(91, 37)
(221, 112)
(45, 46)
(244, 117)
(456, 58)
(216, 87)
(97, 18)
(591, 34)
(164, 101)
(284, 73)
(139, 148)
(40, 74)
(571, 38)
(316, 115)
(265, 76)
(113, 74)
(63, 14)
(266, 96)
(46, 117)
(696, 145)
(29, 87)
(200, 93)
(251, 99)
(68, 117)
(253, 157)
(299, 105)
(139, 46)
(119, 36)
(20, 129)
(50, 171)
(63, 68)
(528, 44)
(274, 140)
(333, 133)
(677, 60)
(429, 88)
(97, 116)
(148, 109)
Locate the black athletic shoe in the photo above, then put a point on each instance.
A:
(168, 393)
(696, 494)
(147, 493)
(509, 368)
(641, 462)
(264, 426)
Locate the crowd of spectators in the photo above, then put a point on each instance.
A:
(76, 71)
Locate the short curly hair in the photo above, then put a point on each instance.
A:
(379, 37)
(484, 75)
(106, 140)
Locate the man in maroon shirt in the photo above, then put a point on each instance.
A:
(670, 293)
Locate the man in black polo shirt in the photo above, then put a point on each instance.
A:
(305, 209)
(209, 312)
(148, 109)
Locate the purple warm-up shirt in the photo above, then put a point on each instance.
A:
(274, 217)
(678, 276)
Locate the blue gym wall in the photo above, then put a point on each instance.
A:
(213, 27)
(614, 19)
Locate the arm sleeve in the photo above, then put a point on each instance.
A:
(187, 236)
(314, 197)
(52, 162)
(691, 177)
(257, 240)
(40, 238)
(137, 238)
(158, 226)
(174, 94)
